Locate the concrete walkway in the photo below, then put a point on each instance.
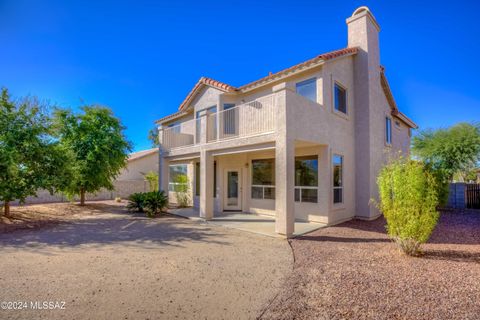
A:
(259, 224)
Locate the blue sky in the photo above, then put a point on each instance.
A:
(141, 58)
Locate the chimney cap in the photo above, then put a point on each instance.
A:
(361, 12)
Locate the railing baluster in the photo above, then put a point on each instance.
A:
(250, 118)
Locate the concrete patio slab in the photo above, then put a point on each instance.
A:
(259, 224)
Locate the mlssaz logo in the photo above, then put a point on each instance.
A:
(47, 305)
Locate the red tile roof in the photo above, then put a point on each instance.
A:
(204, 81)
(320, 58)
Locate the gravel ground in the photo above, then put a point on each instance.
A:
(352, 271)
(107, 264)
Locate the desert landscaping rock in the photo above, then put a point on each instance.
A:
(114, 265)
(353, 271)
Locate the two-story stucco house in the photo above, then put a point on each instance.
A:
(305, 143)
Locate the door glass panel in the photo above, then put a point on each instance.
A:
(232, 188)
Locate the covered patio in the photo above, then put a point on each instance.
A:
(249, 222)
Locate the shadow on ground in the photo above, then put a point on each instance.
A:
(100, 231)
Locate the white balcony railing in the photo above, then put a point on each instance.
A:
(251, 118)
(180, 135)
(247, 119)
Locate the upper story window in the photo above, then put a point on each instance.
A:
(340, 98)
(388, 130)
(230, 119)
(308, 89)
(306, 179)
(263, 179)
(175, 126)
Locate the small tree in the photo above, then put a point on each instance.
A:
(153, 137)
(451, 151)
(408, 200)
(182, 190)
(29, 158)
(96, 140)
(152, 178)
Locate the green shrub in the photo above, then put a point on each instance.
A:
(408, 199)
(155, 202)
(152, 180)
(150, 202)
(136, 202)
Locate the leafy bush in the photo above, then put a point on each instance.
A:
(150, 202)
(155, 202)
(408, 199)
(136, 202)
(182, 191)
(152, 179)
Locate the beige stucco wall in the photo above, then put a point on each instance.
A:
(122, 189)
(314, 127)
(136, 168)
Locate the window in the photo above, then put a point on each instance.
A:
(306, 179)
(229, 118)
(198, 126)
(175, 127)
(337, 179)
(263, 179)
(308, 89)
(197, 179)
(340, 98)
(388, 130)
(178, 180)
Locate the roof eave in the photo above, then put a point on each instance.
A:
(406, 120)
(302, 67)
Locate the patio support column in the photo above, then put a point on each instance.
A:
(206, 183)
(163, 168)
(284, 164)
(163, 164)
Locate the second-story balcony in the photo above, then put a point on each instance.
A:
(248, 119)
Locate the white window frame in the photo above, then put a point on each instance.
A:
(263, 186)
(388, 131)
(341, 187)
(300, 193)
(301, 188)
(171, 185)
(341, 113)
(308, 81)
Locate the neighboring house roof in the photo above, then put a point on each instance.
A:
(311, 63)
(141, 154)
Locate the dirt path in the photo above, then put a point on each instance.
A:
(115, 266)
(353, 271)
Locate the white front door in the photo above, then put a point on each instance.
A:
(232, 191)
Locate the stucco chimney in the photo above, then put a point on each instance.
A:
(363, 32)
